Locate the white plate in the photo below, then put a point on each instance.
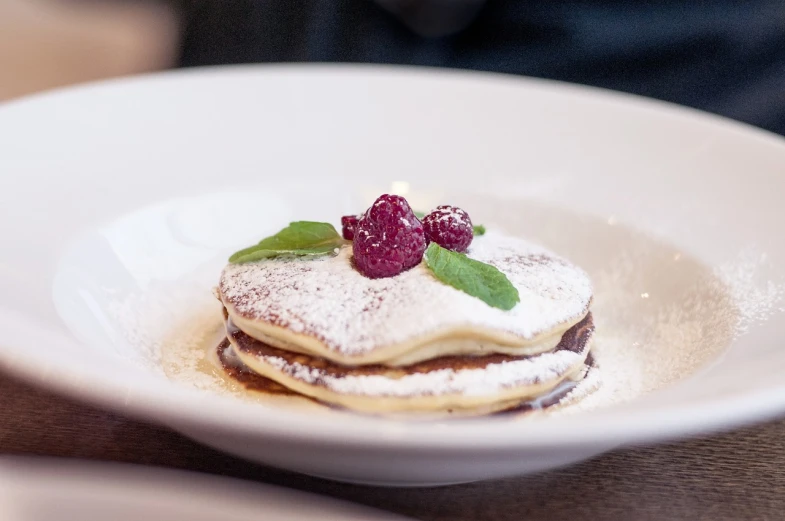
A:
(35, 489)
(121, 200)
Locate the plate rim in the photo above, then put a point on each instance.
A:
(576, 89)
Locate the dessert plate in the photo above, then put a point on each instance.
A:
(121, 201)
(32, 489)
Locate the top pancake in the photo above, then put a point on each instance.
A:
(324, 306)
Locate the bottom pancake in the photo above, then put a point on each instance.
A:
(275, 393)
(479, 385)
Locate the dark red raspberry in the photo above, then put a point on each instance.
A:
(388, 239)
(449, 227)
(348, 225)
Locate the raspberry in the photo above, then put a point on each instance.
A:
(348, 225)
(388, 239)
(449, 227)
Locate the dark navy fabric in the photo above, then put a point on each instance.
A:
(724, 56)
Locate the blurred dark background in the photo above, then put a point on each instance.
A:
(723, 56)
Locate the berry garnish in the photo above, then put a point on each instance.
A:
(388, 238)
(449, 227)
(348, 226)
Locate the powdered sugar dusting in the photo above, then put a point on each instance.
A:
(592, 381)
(487, 381)
(352, 314)
(756, 297)
(447, 214)
(149, 321)
(643, 345)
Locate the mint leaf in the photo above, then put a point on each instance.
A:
(471, 276)
(299, 238)
(420, 215)
(255, 254)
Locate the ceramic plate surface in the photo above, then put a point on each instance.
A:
(120, 202)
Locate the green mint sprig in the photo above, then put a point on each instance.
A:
(300, 238)
(471, 276)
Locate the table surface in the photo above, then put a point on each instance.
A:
(734, 476)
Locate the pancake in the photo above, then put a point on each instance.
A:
(274, 392)
(236, 370)
(470, 383)
(324, 308)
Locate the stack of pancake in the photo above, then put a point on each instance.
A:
(317, 328)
